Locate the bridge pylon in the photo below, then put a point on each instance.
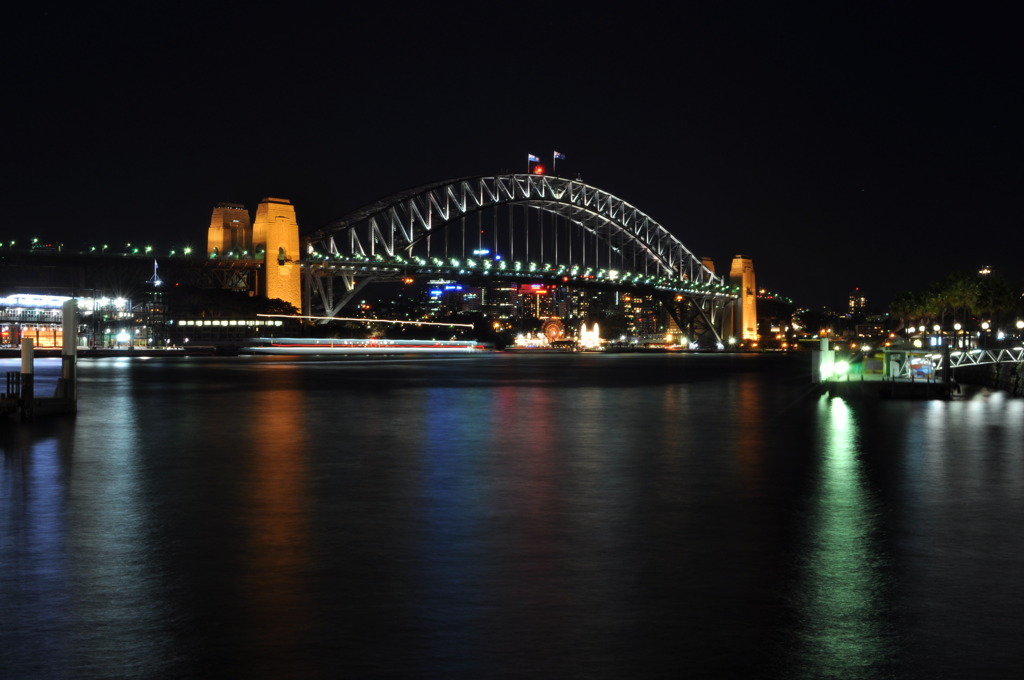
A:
(275, 232)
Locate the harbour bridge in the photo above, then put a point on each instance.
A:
(507, 228)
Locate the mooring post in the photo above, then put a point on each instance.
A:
(69, 354)
(27, 391)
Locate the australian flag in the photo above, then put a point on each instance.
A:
(559, 156)
(531, 158)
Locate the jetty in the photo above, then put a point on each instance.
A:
(910, 373)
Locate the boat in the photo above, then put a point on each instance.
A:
(359, 346)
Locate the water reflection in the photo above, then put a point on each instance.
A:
(523, 501)
(750, 432)
(81, 579)
(121, 617)
(962, 546)
(843, 606)
(453, 503)
(274, 604)
(34, 582)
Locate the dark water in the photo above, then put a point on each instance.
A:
(543, 516)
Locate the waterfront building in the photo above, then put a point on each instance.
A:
(102, 321)
(641, 314)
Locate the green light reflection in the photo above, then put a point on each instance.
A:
(843, 608)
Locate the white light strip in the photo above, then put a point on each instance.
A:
(346, 318)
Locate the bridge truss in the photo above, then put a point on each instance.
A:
(978, 357)
(508, 227)
(962, 358)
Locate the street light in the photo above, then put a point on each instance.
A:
(957, 327)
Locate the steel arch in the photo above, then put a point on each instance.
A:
(398, 222)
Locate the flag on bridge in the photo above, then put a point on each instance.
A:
(530, 158)
(554, 161)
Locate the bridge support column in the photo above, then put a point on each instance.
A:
(745, 309)
(277, 233)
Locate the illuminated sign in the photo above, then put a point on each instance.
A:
(22, 300)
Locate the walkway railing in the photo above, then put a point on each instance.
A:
(977, 357)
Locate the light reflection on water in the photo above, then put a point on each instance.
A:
(845, 627)
(557, 516)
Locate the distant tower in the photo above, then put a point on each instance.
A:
(276, 233)
(707, 262)
(744, 320)
(858, 302)
(230, 230)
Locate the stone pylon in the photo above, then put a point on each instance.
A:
(230, 231)
(744, 319)
(276, 233)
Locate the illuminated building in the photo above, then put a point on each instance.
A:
(744, 310)
(38, 317)
(858, 302)
(445, 297)
(641, 313)
(534, 300)
(590, 338)
(500, 299)
(103, 321)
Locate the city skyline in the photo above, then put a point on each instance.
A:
(837, 148)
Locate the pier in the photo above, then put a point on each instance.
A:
(19, 397)
(918, 374)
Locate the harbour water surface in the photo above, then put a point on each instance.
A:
(508, 516)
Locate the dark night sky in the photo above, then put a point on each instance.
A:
(839, 145)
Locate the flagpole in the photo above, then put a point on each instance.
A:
(554, 163)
